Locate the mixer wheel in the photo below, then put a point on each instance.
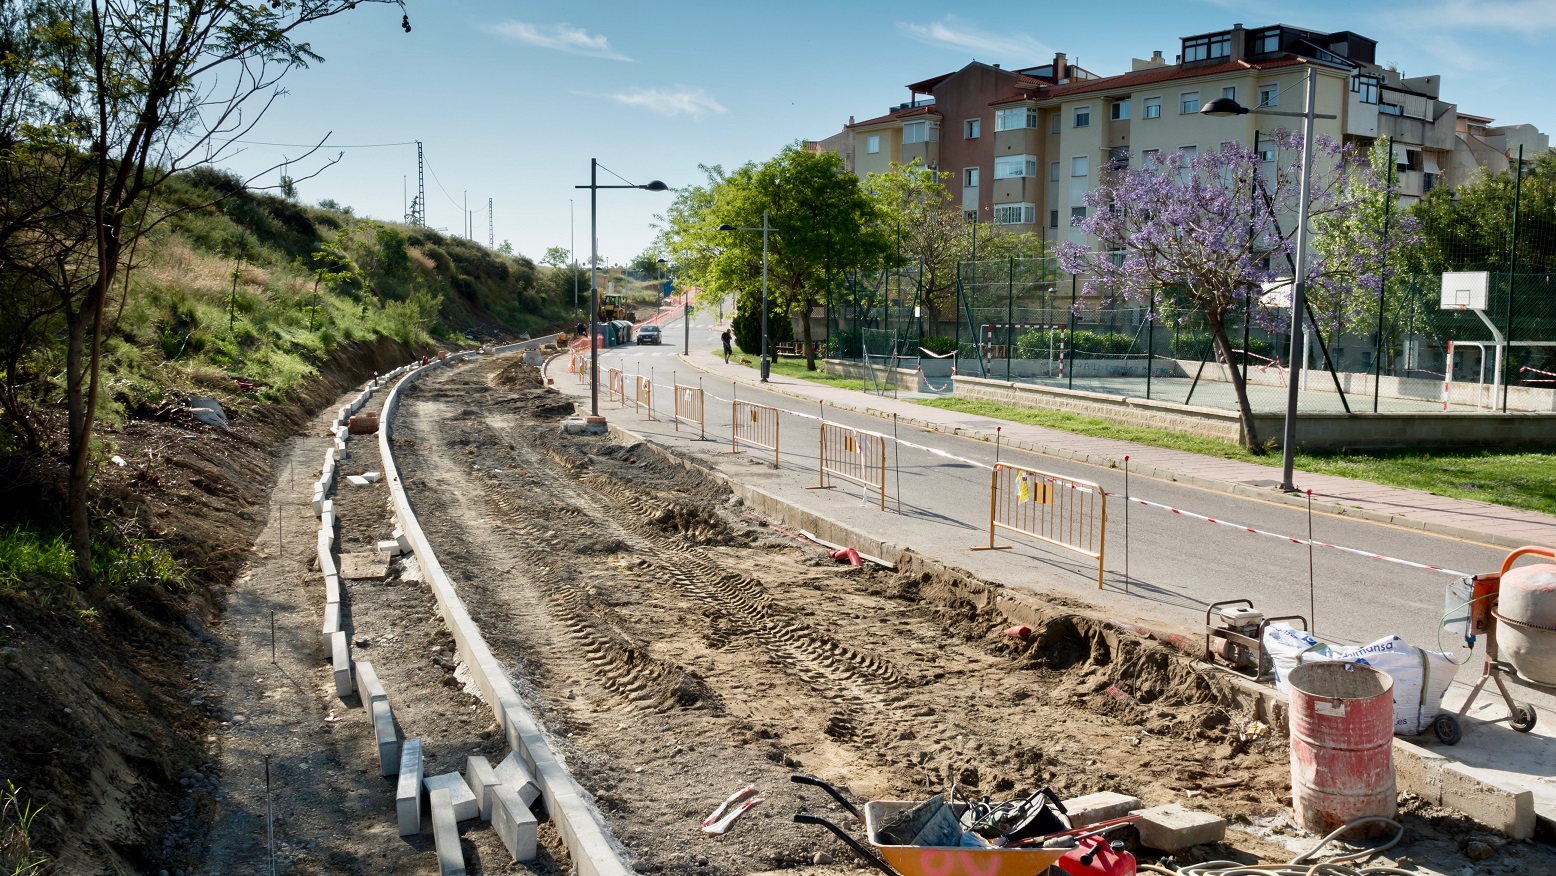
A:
(1447, 728)
(1523, 717)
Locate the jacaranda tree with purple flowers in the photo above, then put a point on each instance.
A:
(1203, 233)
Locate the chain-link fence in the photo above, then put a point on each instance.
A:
(1395, 349)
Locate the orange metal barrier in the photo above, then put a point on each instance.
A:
(643, 394)
(580, 367)
(1061, 511)
(853, 455)
(689, 408)
(616, 386)
(753, 425)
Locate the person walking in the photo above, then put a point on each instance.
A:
(728, 349)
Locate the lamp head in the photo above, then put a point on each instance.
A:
(1222, 107)
(655, 186)
(725, 227)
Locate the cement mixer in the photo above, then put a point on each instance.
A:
(1515, 609)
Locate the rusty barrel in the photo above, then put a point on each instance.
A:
(1342, 744)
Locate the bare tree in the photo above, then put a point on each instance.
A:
(119, 96)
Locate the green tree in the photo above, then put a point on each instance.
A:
(1470, 228)
(822, 220)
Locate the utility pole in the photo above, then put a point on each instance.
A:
(491, 225)
(467, 214)
(418, 212)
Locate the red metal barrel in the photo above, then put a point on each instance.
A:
(1342, 744)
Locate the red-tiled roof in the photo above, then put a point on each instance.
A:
(1168, 73)
(895, 115)
(928, 85)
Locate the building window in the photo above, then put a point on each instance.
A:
(1150, 157)
(1229, 93)
(970, 216)
(1118, 158)
(1366, 87)
(1082, 116)
(1053, 123)
(1015, 214)
(872, 143)
(970, 177)
(1265, 41)
(1077, 215)
(1053, 171)
(1015, 118)
(1266, 154)
(1428, 182)
(1190, 102)
(972, 129)
(1053, 218)
(1153, 107)
(920, 132)
(1207, 47)
(1186, 163)
(1120, 109)
(1269, 95)
(1080, 165)
(1014, 166)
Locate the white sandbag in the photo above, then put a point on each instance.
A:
(1421, 677)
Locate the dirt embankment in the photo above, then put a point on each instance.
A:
(100, 726)
(679, 649)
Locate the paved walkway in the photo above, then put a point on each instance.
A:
(1413, 509)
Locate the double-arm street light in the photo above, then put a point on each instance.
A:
(765, 229)
(594, 284)
(1226, 106)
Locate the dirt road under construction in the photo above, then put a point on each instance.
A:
(677, 648)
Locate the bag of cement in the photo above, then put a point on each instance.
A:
(1421, 677)
(931, 823)
(208, 411)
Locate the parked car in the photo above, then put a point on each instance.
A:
(649, 334)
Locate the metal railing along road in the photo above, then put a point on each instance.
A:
(853, 455)
(615, 386)
(688, 407)
(1065, 512)
(643, 395)
(753, 425)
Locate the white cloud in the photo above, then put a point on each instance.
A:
(680, 101)
(952, 33)
(561, 37)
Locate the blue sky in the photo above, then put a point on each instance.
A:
(511, 100)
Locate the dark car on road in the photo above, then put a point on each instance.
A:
(649, 334)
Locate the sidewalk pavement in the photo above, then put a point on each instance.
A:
(1412, 509)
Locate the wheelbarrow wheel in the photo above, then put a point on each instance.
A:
(1524, 717)
(1447, 728)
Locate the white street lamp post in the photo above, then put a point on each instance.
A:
(765, 229)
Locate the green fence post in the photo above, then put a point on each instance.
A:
(1512, 279)
(1383, 282)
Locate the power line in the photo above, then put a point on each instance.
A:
(435, 179)
(321, 145)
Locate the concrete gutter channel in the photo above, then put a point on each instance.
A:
(593, 851)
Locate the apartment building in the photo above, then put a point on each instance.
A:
(1020, 148)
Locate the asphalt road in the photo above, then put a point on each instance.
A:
(1176, 565)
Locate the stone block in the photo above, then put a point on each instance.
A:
(1101, 806)
(482, 779)
(460, 796)
(514, 773)
(372, 477)
(356, 480)
(391, 547)
(332, 591)
(331, 621)
(514, 823)
(340, 661)
(407, 792)
(318, 500)
(369, 688)
(1172, 828)
(364, 566)
(1419, 771)
(404, 543)
(388, 738)
(445, 835)
(1501, 809)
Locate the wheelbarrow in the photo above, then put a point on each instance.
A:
(1078, 852)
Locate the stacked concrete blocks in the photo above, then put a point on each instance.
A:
(407, 793)
(445, 835)
(482, 780)
(461, 798)
(515, 823)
